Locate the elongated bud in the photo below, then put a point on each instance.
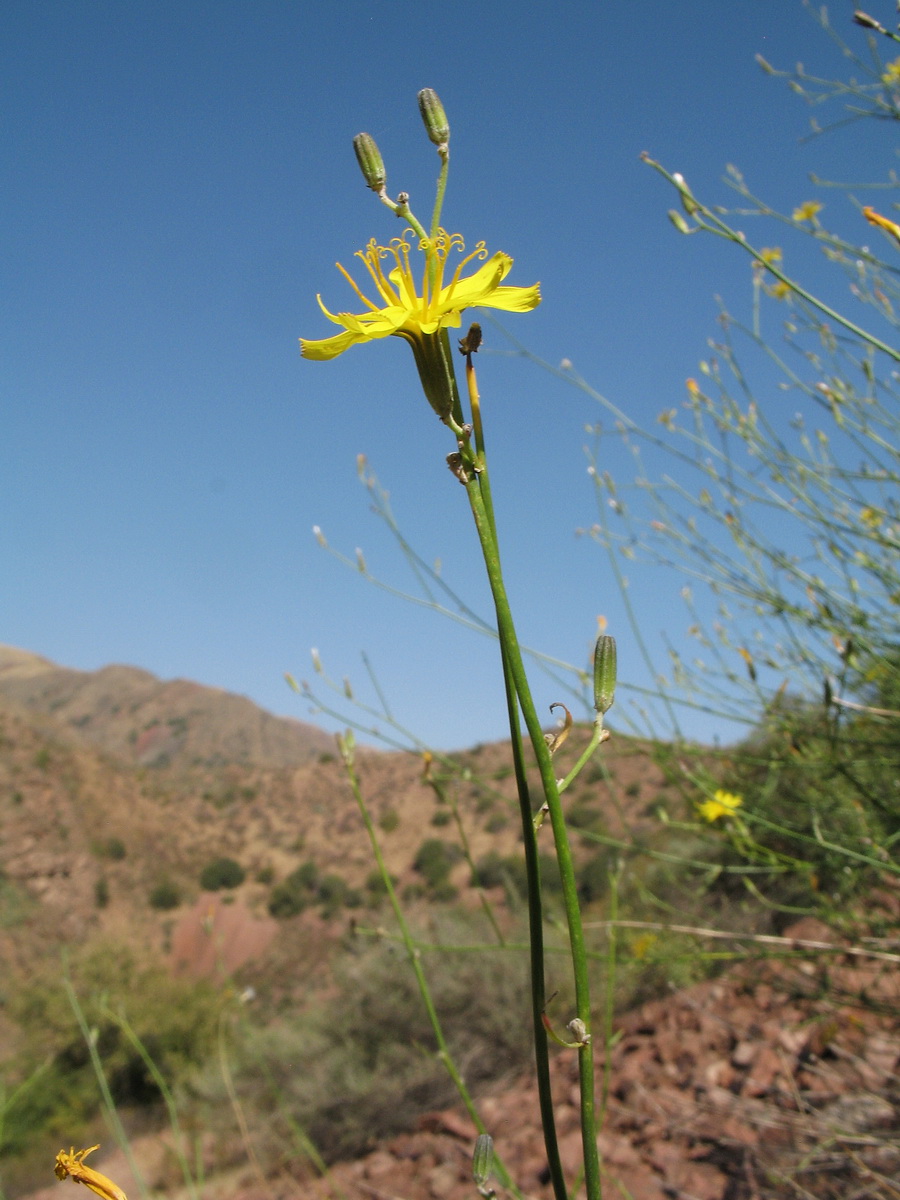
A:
(483, 1161)
(370, 161)
(867, 22)
(678, 221)
(435, 119)
(604, 673)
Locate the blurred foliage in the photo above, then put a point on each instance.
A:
(222, 873)
(174, 1018)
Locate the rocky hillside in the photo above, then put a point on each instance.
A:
(152, 722)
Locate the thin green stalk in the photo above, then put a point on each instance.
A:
(347, 749)
(238, 1109)
(441, 189)
(179, 1140)
(529, 839)
(610, 1004)
(109, 1104)
(513, 663)
(587, 753)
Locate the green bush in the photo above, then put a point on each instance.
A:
(295, 891)
(371, 1069)
(165, 895)
(332, 894)
(435, 859)
(388, 821)
(174, 1019)
(820, 794)
(222, 873)
(112, 848)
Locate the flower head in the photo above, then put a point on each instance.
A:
(416, 311)
(723, 804)
(71, 1163)
(808, 211)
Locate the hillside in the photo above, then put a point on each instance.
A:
(151, 722)
(115, 784)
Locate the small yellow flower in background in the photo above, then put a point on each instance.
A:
(891, 76)
(875, 218)
(807, 211)
(642, 945)
(416, 312)
(871, 517)
(71, 1163)
(723, 804)
(770, 254)
(779, 290)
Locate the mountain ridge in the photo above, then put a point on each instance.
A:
(147, 721)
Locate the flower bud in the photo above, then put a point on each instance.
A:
(678, 221)
(483, 1160)
(370, 161)
(578, 1032)
(604, 673)
(867, 22)
(435, 119)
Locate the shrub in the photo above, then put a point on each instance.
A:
(165, 895)
(295, 892)
(222, 873)
(388, 821)
(434, 860)
(112, 848)
(175, 1020)
(370, 1072)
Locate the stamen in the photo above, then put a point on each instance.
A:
(479, 252)
(372, 258)
(346, 274)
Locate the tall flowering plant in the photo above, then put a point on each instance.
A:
(418, 287)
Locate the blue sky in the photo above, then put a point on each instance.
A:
(178, 184)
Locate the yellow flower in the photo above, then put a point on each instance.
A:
(891, 76)
(871, 517)
(723, 804)
(417, 312)
(875, 218)
(807, 211)
(71, 1163)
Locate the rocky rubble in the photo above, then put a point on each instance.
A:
(777, 1079)
(770, 1081)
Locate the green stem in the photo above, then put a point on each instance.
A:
(112, 1113)
(478, 489)
(441, 189)
(529, 838)
(587, 754)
